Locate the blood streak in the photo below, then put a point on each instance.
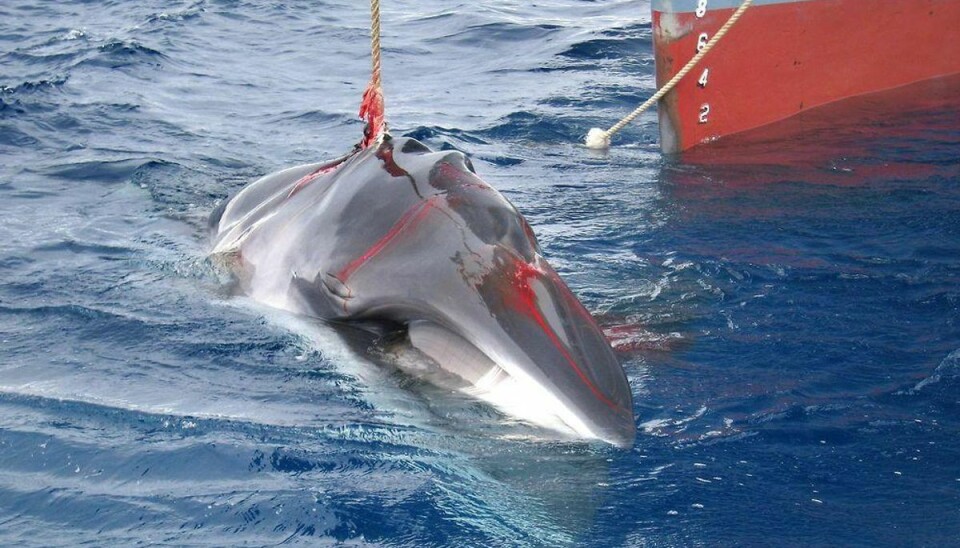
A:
(456, 177)
(410, 218)
(310, 177)
(371, 110)
(527, 303)
(385, 154)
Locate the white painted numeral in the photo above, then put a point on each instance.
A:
(703, 77)
(701, 8)
(702, 41)
(704, 112)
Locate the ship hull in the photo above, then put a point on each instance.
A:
(787, 56)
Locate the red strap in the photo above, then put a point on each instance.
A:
(371, 110)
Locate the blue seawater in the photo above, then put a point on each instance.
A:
(790, 329)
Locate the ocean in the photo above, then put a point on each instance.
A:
(787, 310)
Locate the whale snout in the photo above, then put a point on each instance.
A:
(534, 328)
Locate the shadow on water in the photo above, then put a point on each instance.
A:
(821, 212)
(906, 133)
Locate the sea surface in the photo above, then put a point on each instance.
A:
(787, 310)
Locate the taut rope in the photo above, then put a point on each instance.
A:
(600, 139)
(371, 106)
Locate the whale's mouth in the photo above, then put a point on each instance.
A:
(516, 337)
(481, 377)
(429, 353)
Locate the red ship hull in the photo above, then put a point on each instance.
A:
(787, 56)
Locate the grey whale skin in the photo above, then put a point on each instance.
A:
(401, 236)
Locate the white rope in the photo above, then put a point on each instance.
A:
(600, 139)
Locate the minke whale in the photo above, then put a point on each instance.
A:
(397, 239)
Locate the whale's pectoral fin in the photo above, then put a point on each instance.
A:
(325, 295)
(336, 287)
(313, 297)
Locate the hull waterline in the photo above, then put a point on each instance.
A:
(785, 57)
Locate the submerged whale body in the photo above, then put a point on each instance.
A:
(412, 241)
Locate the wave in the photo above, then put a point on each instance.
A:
(532, 126)
(13, 137)
(107, 171)
(499, 32)
(123, 53)
(616, 45)
(443, 136)
(948, 369)
(193, 11)
(28, 87)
